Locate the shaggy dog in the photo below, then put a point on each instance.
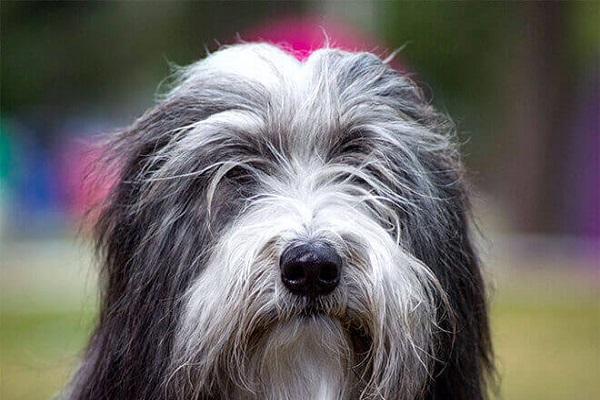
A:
(287, 230)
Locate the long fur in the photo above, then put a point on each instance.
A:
(251, 152)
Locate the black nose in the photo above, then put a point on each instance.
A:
(311, 269)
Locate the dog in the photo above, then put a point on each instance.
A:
(285, 229)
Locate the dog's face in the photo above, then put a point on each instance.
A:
(286, 229)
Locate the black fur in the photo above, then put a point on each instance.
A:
(154, 236)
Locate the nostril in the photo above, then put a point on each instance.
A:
(328, 273)
(310, 269)
(294, 272)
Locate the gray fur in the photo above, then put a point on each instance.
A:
(252, 151)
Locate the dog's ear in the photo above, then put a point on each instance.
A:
(108, 368)
(444, 242)
(464, 343)
(441, 236)
(151, 238)
(126, 214)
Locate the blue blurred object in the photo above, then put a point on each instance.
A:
(32, 207)
(4, 156)
(38, 192)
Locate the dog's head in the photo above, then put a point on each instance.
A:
(286, 229)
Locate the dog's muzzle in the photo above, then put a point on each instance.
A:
(310, 269)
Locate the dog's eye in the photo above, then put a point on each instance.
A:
(355, 145)
(354, 142)
(242, 179)
(239, 175)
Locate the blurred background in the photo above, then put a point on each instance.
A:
(521, 80)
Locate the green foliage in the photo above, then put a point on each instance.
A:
(546, 350)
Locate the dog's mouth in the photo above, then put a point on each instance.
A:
(313, 309)
(358, 333)
(319, 315)
(321, 307)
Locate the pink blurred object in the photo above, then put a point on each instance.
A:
(80, 189)
(301, 35)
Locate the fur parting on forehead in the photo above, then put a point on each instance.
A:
(271, 67)
(260, 62)
(330, 90)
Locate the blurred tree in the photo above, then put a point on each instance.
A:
(507, 72)
(62, 55)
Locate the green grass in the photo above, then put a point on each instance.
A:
(39, 351)
(546, 325)
(548, 351)
(545, 351)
